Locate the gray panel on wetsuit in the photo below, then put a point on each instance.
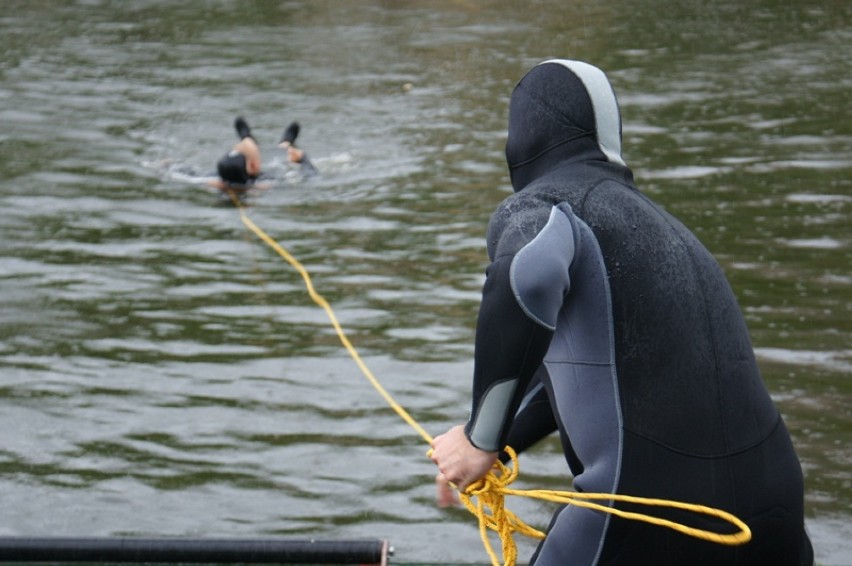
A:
(581, 367)
(540, 275)
(582, 378)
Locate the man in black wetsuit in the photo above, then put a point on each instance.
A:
(603, 316)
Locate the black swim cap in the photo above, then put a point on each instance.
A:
(232, 169)
(290, 133)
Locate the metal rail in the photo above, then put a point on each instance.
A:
(193, 550)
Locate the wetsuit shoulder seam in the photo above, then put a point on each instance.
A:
(598, 184)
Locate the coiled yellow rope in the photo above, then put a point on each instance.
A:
(485, 498)
(490, 510)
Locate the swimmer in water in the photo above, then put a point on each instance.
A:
(294, 154)
(239, 168)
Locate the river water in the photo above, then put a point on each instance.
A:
(163, 372)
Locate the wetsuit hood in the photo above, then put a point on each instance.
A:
(561, 111)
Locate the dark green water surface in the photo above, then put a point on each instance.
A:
(162, 372)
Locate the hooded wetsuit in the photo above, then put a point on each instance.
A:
(603, 303)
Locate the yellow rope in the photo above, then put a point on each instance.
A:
(318, 299)
(490, 510)
(485, 497)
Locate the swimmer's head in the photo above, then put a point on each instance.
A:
(232, 169)
(289, 136)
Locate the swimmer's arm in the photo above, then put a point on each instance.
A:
(248, 147)
(296, 155)
(253, 166)
(308, 168)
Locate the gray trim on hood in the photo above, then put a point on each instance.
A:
(607, 117)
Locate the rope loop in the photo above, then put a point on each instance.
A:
(491, 513)
(490, 510)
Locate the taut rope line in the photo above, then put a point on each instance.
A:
(320, 300)
(489, 492)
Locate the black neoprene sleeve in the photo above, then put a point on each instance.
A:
(509, 346)
(533, 421)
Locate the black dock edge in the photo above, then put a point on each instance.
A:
(193, 550)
